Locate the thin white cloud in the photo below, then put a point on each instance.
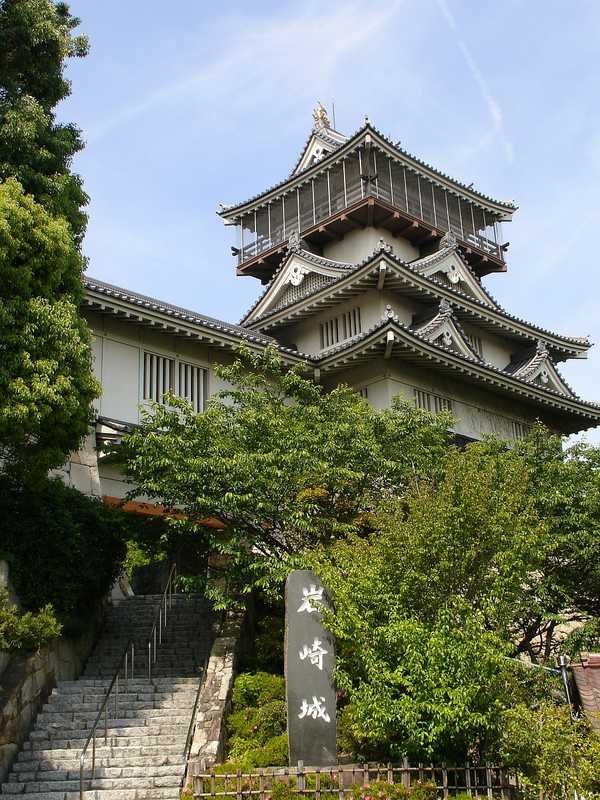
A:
(302, 51)
(493, 107)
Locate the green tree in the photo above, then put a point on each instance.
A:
(556, 757)
(565, 489)
(36, 38)
(423, 609)
(460, 573)
(284, 464)
(46, 384)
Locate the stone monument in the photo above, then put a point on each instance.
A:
(309, 665)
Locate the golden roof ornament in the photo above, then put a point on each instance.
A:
(320, 116)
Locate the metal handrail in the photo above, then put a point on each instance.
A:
(104, 708)
(160, 619)
(190, 734)
(160, 622)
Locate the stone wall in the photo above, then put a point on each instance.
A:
(215, 695)
(27, 680)
(81, 470)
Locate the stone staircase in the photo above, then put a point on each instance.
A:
(143, 757)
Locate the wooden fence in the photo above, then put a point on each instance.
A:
(338, 783)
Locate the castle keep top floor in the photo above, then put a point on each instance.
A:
(340, 184)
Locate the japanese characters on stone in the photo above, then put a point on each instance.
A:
(310, 661)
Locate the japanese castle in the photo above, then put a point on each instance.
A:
(371, 264)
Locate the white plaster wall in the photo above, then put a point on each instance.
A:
(118, 350)
(372, 303)
(361, 242)
(120, 380)
(476, 411)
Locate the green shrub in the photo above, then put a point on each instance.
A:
(257, 689)
(257, 723)
(63, 548)
(25, 631)
(273, 752)
(382, 790)
(556, 757)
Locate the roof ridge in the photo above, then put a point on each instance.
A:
(308, 256)
(368, 126)
(458, 292)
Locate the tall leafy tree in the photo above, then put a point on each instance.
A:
(283, 464)
(46, 385)
(36, 38)
(462, 574)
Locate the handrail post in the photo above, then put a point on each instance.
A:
(132, 659)
(105, 724)
(94, 754)
(81, 760)
(149, 660)
(117, 697)
(160, 624)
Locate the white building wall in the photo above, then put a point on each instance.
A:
(360, 243)
(372, 303)
(477, 413)
(118, 361)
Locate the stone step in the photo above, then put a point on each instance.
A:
(61, 774)
(78, 722)
(169, 793)
(144, 753)
(154, 782)
(107, 754)
(117, 737)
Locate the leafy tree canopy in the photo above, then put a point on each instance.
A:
(282, 463)
(46, 385)
(462, 573)
(36, 38)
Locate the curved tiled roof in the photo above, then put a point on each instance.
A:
(142, 302)
(444, 313)
(320, 132)
(313, 258)
(440, 254)
(152, 304)
(385, 322)
(410, 265)
(351, 141)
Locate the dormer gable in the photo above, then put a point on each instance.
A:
(301, 273)
(448, 265)
(322, 141)
(538, 368)
(444, 330)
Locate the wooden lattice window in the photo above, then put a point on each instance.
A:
(432, 402)
(165, 375)
(342, 327)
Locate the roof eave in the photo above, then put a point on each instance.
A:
(566, 404)
(574, 349)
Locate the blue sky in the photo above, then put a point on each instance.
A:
(186, 104)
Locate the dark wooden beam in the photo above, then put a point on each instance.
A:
(370, 209)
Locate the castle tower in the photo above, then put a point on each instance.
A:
(373, 261)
